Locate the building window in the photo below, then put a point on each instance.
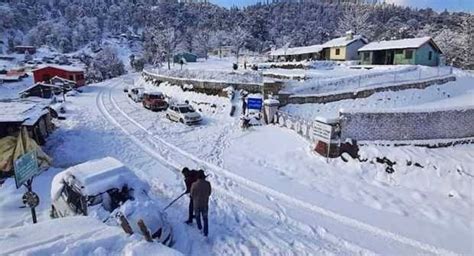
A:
(408, 54)
(399, 52)
(338, 51)
(430, 55)
(71, 77)
(366, 56)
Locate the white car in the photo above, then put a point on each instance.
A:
(183, 113)
(107, 190)
(136, 94)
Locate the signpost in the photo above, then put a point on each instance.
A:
(323, 132)
(254, 103)
(26, 167)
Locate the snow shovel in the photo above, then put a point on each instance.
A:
(172, 202)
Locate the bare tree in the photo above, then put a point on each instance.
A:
(239, 38)
(355, 20)
(167, 40)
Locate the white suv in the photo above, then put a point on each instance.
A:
(136, 94)
(183, 113)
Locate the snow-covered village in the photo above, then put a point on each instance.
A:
(150, 127)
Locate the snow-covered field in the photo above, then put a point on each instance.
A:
(271, 194)
(457, 94)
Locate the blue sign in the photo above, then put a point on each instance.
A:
(254, 103)
(25, 168)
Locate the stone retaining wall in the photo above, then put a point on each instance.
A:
(214, 87)
(400, 126)
(288, 98)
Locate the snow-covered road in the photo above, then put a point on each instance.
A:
(249, 215)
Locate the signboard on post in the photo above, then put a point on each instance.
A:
(254, 103)
(322, 132)
(26, 167)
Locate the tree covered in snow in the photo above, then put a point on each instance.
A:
(105, 65)
(72, 24)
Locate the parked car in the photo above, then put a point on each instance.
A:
(136, 94)
(106, 189)
(183, 113)
(154, 101)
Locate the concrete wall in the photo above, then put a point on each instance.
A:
(214, 88)
(399, 126)
(288, 98)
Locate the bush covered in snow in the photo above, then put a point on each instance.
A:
(105, 65)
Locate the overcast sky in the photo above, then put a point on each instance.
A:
(440, 5)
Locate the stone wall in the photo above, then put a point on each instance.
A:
(214, 87)
(286, 98)
(400, 126)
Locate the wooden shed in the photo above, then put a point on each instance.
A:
(32, 114)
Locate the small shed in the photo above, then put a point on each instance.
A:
(47, 72)
(30, 113)
(189, 57)
(41, 90)
(414, 51)
(22, 49)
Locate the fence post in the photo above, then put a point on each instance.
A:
(419, 75)
(360, 78)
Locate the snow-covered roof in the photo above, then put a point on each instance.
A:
(39, 84)
(23, 111)
(96, 176)
(297, 50)
(9, 78)
(396, 44)
(63, 67)
(336, 42)
(343, 41)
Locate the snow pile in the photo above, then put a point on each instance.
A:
(95, 177)
(76, 236)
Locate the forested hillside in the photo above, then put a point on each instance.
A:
(68, 25)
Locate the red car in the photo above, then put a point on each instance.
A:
(154, 101)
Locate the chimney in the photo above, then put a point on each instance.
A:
(349, 35)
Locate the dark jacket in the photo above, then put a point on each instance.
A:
(200, 192)
(189, 179)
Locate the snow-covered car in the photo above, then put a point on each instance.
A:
(183, 113)
(154, 101)
(136, 94)
(109, 191)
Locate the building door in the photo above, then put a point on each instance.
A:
(390, 57)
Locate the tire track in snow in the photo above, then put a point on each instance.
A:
(308, 231)
(294, 201)
(171, 164)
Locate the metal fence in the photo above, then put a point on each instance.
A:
(301, 126)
